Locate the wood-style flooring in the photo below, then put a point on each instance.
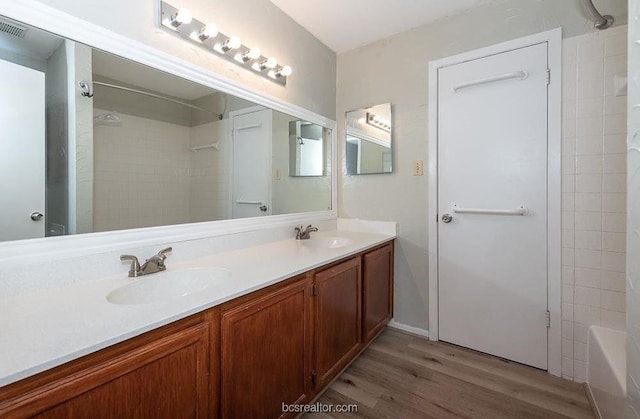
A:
(402, 376)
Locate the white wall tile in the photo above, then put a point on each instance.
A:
(614, 301)
(587, 296)
(613, 319)
(591, 221)
(589, 164)
(591, 202)
(581, 332)
(614, 163)
(614, 202)
(580, 351)
(586, 315)
(579, 371)
(591, 240)
(613, 281)
(589, 183)
(587, 277)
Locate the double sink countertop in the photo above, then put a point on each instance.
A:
(43, 329)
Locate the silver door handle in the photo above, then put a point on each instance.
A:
(36, 216)
(447, 218)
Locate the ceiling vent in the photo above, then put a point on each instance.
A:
(12, 28)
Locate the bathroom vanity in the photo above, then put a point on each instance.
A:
(245, 357)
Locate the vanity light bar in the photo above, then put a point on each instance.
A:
(378, 122)
(206, 35)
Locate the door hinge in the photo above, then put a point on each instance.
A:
(314, 291)
(548, 76)
(314, 375)
(548, 319)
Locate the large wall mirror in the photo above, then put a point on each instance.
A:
(91, 142)
(368, 140)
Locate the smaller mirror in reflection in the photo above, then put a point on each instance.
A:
(306, 149)
(368, 140)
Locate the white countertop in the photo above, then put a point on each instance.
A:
(44, 329)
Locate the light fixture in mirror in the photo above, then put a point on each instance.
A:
(368, 138)
(104, 144)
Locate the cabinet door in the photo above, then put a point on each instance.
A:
(266, 353)
(165, 378)
(338, 325)
(377, 283)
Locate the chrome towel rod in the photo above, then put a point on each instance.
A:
(522, 75)
(520, 211)
(602, 22)
(249, 202)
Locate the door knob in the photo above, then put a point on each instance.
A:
(263, 208)
(36, 216)
(447, 218)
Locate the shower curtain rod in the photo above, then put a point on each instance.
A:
(141, 92)
(602, 22)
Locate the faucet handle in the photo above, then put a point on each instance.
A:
(134, 271)
(162, 255)
(163, 252)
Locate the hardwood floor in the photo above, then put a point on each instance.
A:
(402, 376)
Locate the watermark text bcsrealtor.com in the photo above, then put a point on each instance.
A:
(319, 407)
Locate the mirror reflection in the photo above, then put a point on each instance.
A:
(368, 140)
(92, 142)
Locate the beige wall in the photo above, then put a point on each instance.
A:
(395, 70)
(256, 22)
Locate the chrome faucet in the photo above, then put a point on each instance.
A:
(152, 265)
(305, 233)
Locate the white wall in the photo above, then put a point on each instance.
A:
(594, 191)
(395, 70)
(633, 217)
(256, 22)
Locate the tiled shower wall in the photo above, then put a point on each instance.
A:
(593, 190)
(141, 173)
(633, 264)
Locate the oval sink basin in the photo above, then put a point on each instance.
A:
(327, 242)
(168, 285)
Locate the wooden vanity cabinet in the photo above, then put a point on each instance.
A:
(243, 359)
(338, 318)
(163, 373)
(267, 352)
(377, 291)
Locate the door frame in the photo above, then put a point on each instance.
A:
(229, 156)
(554, 117)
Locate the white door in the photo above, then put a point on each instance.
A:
(251, 178)
(492, 182)
(22, 152)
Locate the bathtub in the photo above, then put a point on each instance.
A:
(607, 370)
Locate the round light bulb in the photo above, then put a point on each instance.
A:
(271, 62)
(234, 42)
(208, 31)
(183, 16)
(286, 71)
(254, 53)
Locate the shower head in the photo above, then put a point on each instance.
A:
(112, 118)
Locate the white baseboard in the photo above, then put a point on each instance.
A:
(409, 329)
